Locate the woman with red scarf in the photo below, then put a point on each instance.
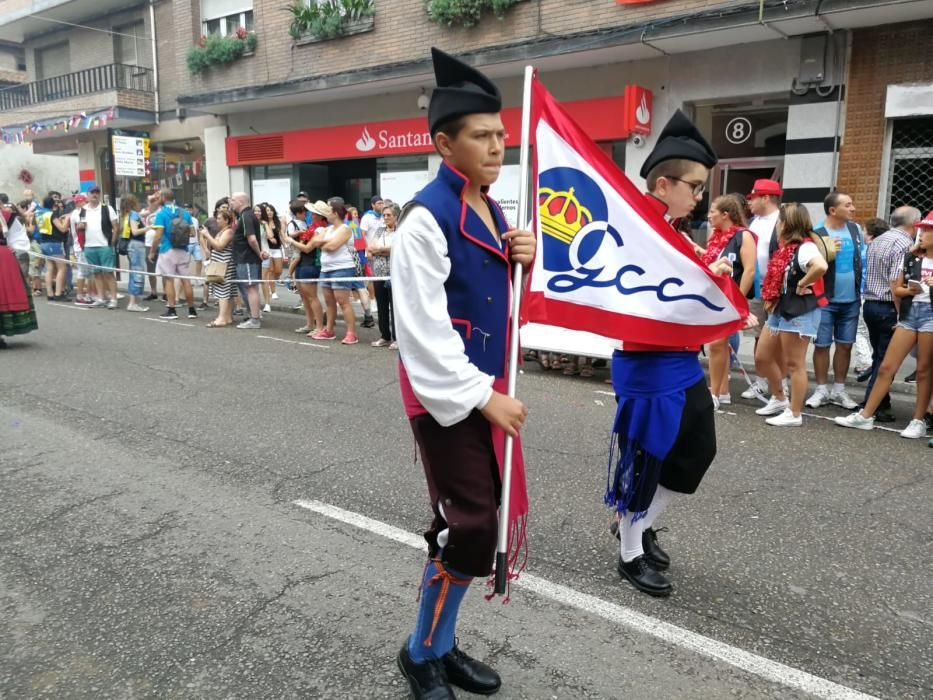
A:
(729, 239)
(17, 312)
(792, 292)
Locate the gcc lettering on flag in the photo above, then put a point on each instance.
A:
(608, 262)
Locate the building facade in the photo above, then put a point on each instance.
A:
(341, 111)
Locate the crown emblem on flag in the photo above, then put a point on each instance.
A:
(562, 215)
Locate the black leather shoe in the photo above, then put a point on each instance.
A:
(657, 557)
(468, 673)
(427, 681)
(884, 415)
(641, 575)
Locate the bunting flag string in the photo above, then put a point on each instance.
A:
(81, 120)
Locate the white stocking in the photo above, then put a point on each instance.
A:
(631, 547)
(662, 497)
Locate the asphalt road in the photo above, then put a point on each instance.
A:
(150, 545)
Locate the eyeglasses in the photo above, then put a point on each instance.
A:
(699, 188)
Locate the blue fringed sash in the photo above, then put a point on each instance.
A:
(651, 391)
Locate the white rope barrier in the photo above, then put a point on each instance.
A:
(196, 278)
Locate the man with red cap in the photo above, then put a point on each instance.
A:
(764, 201)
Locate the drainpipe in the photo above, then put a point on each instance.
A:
(155, 59)
(844, 82)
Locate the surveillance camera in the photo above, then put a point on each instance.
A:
(638, 140)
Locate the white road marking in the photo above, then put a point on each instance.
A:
(293, 342)
(605, 393)
(169, 321)
(772, 671)
(67, 306)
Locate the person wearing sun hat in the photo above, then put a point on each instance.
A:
(664, 437)
(450, 268)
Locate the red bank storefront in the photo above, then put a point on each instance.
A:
(396, 158)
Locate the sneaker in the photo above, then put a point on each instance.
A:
(350, 339)
(786, 420)
(238, 312)
(863, 376)
(303, 329)
(756, 390)
(98, 304)
(84, 301)
(856, 420)
(915, 429)
(393, 345)
(298, 307)
(275, 296)
(911, 378)
(151, 297)
(168, 314)
(120, 296)
(266, 309)
(841, 398)
(136, 308)
(820, 396)
(928, 419)
(773, 407)
(368, 321)
(715, 402)
(381, 343)
(324, 334)
(192, 312)
(113, 304)
(725, 399)
(250, 324)
(203, 306)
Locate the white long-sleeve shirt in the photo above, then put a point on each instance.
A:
(442, 377)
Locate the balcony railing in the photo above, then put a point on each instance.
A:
(115, 76)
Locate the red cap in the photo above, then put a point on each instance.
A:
(762, 187)
(927, 221)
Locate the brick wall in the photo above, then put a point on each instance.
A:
(897, 53)
(402, 32)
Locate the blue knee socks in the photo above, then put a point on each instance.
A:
(442, 590)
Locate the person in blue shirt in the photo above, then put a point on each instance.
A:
(839, 320)
(173, 262)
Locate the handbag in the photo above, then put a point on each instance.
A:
(216, 272)
(357, 263)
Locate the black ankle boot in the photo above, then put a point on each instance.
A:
(427, 681)
(641, 575)
(657, 557)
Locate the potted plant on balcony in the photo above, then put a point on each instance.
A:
(319, 20)
(218, 50)
(466, 13)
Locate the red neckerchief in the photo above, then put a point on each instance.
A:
(774, 279)
(308, 233)
(717, 243)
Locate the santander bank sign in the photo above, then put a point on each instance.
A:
(604, 119)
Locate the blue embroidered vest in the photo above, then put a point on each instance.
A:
(479, 286)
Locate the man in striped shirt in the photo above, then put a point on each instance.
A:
(884, 261)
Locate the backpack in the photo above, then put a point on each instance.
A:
(179, 230)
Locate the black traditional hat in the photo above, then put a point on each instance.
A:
(461, 89)
(680, 140)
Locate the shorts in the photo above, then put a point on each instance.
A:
(756, 307)
(194, 250)
(276, 253)
(53, 249)
(838, 323)
(248, 274)
(82, 271)
(338, 274)
(174, 262)
(919, 318)
(103, 256)
(307, 272)
(34, 263)
(806, 325)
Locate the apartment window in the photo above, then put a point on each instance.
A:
(130, 45)
(226, 16)
(52, 60)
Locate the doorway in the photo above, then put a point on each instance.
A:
(739, 174)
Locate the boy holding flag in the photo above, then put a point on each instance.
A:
(664, 429)
(451, 293)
